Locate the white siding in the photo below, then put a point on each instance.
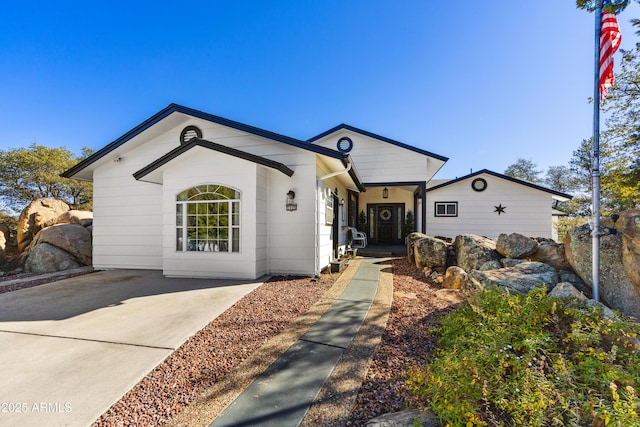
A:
(202, 166)
(527, 210)
(127, 226)
(379, 161)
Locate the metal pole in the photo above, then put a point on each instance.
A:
(595, 173)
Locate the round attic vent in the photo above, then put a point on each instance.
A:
(189, 133)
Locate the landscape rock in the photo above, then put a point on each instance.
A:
(476, 253)
(451, 295)
(71, 238)
(33, 218)
(405, 419)
(430, 252)
(616, 287)
(45, 258)
(510, 262)
(628, 223)
(515, 245)
(566, 290)
(576, 281)
(521, 278)
(4, 240)
(84, 218)
(411, 239)
(454, 278)
(551, 253)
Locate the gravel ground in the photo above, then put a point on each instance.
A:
(207, 357)
(406, 342)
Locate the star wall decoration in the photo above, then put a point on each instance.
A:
(500, 209)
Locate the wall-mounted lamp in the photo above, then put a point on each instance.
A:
(385, 193)
(291, 206)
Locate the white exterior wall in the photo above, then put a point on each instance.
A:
(379, 161)
(127, 226)
(201, 166)
(528, 211)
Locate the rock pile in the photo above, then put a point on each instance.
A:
(52, 237)
(520, 263)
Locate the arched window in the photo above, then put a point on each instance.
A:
(208, 219)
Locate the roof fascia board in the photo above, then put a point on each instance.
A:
(506, 177)
(212, 146)
(172, 108)
(379, 137)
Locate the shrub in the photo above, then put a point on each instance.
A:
(512, 360)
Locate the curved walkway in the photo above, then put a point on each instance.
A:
(311, 374)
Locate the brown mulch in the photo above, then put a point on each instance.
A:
(406, 342)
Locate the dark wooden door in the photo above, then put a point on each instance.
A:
(386, 220)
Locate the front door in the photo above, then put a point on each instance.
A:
(385, 223)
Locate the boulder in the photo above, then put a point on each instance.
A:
(45, 258)
(476, 253)
(616, 287)
(84, 218)
(454, 278)
(4, 240)
(35, 216)
(430, 252)
(628, 223)
(453, 296)
(552, 253)
(576, 281)
(520, 278)
(510, 262)
(515, 245)
(405, 419)
(411, 240)
(566, 290)
(71, 238)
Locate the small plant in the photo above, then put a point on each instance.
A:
(362, 222)
(512, 360)
(409, 224)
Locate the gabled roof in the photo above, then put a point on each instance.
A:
(197, 142)
(175, 108)
(508, 178)
(380, 137)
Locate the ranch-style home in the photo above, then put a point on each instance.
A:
(198, 195)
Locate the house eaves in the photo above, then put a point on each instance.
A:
(501, 176)
(379, 137)
(175, 108)
(196, 142)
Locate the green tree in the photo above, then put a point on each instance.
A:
(526, 170)
(34, 172)
(617, 5)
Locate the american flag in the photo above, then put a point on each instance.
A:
(610, 39)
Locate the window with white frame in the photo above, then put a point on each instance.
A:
(208, 219)
(446, 209)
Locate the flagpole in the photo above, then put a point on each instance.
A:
(595, 165)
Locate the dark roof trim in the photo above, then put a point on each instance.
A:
(508, 178)
(172, 108)
(394, 184)
(212, 146)
(380, 137)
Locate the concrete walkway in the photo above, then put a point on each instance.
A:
(283, 394)
(70, 349)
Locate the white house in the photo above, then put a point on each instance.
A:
(198, 195)
(488, 203)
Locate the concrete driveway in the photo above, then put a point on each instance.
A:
(70, 349)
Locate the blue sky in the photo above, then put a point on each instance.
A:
(482, 83)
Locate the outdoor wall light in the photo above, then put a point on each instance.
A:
(290, 205)
(385, 193)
